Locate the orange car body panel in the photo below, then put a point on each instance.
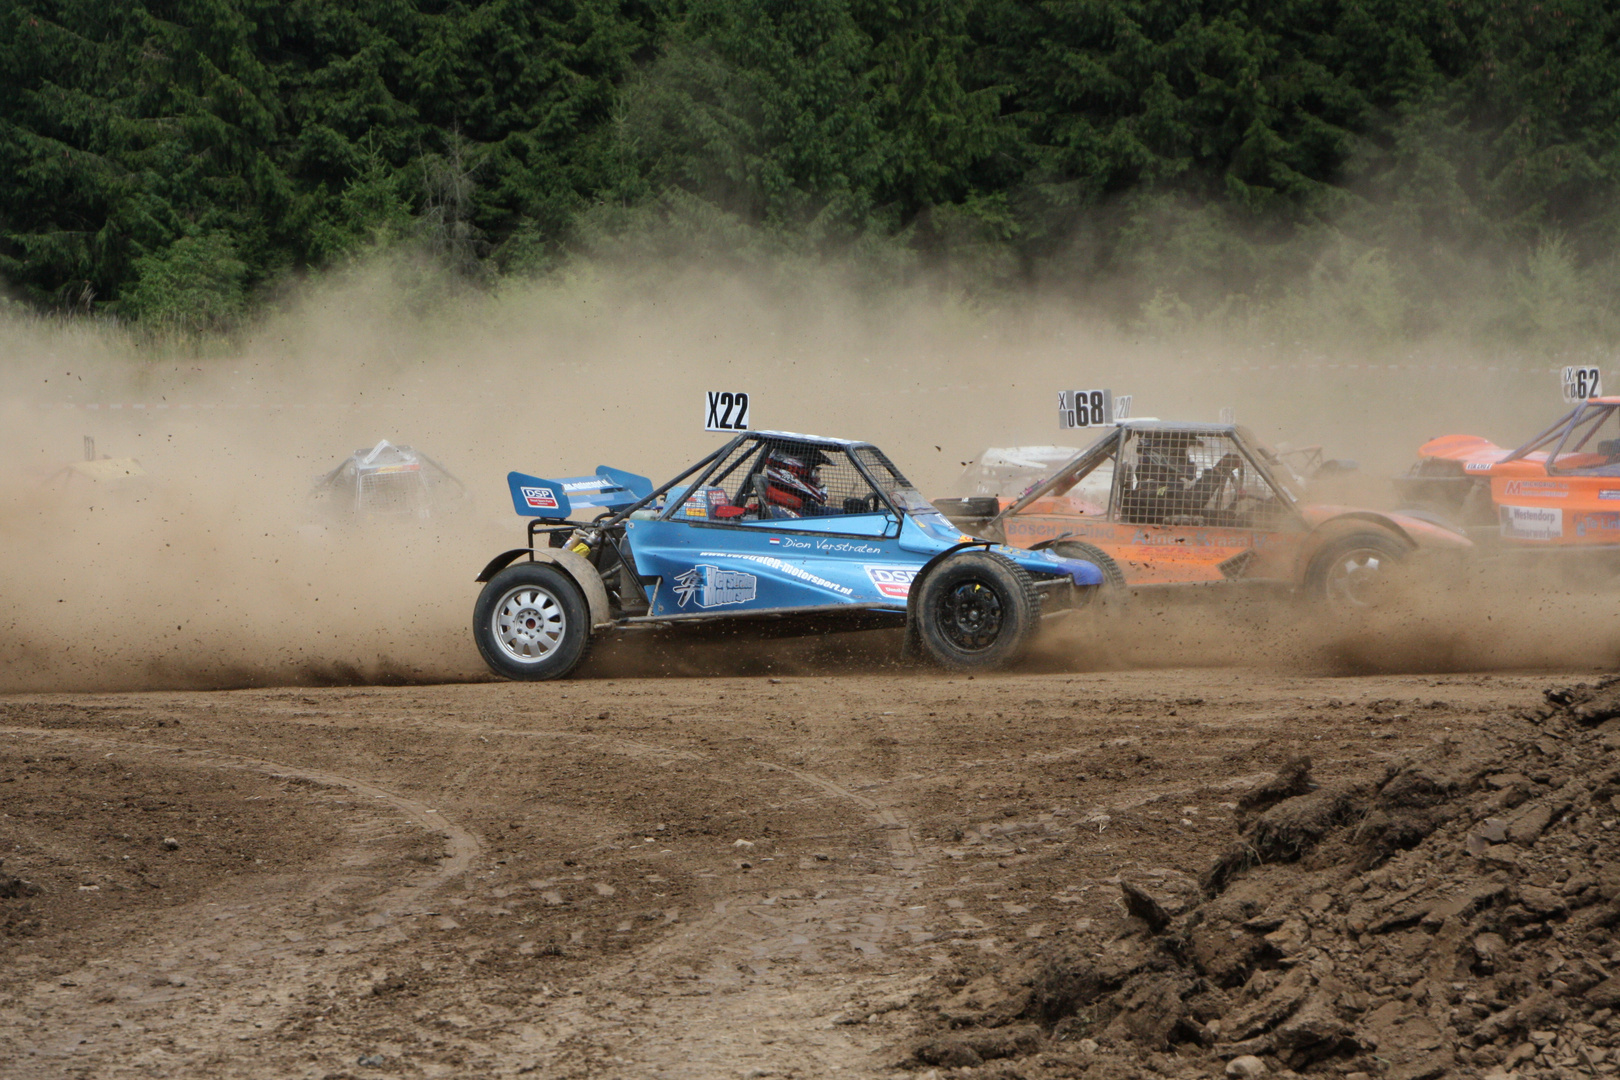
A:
(1424, 534)
(1540, 507)
(1193, 554)
(1276, 548)
(1554, 510)
(1162, 554)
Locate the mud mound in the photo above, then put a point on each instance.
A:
(1454, 918)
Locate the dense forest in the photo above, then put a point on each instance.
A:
(170, 162)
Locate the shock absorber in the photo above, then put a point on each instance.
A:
(582, 542)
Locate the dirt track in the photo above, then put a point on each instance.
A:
(697, 877)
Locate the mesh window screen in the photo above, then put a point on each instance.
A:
(1180, 478)
(888, 477)
(780, 478)
(392, 493)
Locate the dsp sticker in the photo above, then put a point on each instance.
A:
(539, 498)
(892, 581)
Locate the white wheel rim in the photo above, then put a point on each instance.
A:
(1353, 581)
(529, 624)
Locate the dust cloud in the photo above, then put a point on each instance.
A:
(212, 570)
(1492, 616)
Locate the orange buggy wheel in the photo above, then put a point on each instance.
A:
(1352, 573)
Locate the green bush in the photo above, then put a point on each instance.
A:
(192, 286)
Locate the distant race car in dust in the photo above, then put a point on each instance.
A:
(1559, 493)
(1170, 504)
(99, 472)
(388, 481)
(1003, 470)
(773, 534)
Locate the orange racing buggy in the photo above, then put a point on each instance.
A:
(1201, 504)
(1558, 493)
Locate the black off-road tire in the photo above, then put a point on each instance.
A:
(531, 622)
(1112, 593)
(976, 611)
(1331, 581)
(1113, 576)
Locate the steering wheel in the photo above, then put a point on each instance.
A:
(859, 504)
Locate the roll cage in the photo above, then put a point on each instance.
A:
(1112, 444)
(746, 452)
(1571, 434)
(851, 478)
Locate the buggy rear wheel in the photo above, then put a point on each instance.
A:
(1353, 572)
(976, 611)
(531, 622)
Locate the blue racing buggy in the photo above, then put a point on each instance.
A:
(773, 534)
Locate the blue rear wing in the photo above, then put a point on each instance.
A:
(610, 490)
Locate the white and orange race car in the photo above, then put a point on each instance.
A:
(1559, 492)
(1186, 504)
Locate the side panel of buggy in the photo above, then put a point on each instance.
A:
(761, 566)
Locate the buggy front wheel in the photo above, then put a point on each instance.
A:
(531, 622)
(1111, 594)
(976, 611)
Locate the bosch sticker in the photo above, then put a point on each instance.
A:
(892, 581)
(539, 498)
(1609, 493)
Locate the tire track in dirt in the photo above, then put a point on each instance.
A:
(760, 985)
(612, 744)
(462, 846)
(212, 976)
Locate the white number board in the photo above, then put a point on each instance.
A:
(725, 410)
(1085, 408)
(1581, 383)
(1122, 407)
